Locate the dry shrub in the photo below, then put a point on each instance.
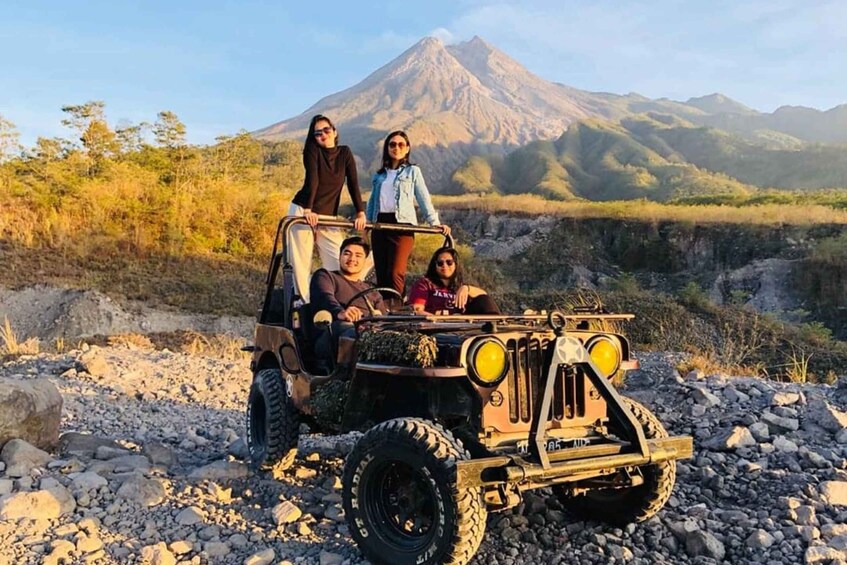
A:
(12, 345)
(222, 346)
(699, 362)
(130, 341)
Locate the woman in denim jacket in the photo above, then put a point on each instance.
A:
(396, 188)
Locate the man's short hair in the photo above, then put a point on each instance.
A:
(355, 240)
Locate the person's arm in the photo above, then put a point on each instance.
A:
(465, 292)
(322, 290)
(373, 202)
(423, 198)
(425, 201)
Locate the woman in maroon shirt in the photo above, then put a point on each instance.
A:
(442, 290)
(327, 165)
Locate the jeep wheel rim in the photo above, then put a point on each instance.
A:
(403, 499)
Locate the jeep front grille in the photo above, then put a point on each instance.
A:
(526, 379)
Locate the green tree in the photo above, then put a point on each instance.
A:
(98, 139)
(9, 140)
(168, 130)
(131, 137)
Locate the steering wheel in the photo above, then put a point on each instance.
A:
(366, 292)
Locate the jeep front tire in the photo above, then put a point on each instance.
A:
(401, 500)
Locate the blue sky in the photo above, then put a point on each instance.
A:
(225, 66)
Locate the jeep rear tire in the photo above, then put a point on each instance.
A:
(273, 423)
(631, 504)
(401, 500)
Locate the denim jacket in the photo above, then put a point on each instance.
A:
(410, 186)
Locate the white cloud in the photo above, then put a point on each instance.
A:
(445, 35)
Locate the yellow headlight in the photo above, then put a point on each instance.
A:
(605, 355)
(488, 361)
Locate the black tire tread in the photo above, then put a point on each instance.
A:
(439, 443)
(282, 431)
(659, 482)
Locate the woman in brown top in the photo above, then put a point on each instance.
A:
(327, 165)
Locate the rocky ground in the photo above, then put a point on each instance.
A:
(150, 469)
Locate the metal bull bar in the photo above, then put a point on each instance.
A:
(280, 256)
(567, 353)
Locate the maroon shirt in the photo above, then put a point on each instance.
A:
(435, 298)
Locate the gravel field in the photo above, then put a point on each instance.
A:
(150, 470)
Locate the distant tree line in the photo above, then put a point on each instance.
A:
(142, 188)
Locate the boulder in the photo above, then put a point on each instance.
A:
(729, 439)
(31, 410)
(83, 445)
(143, 491)
(94, 363)
(20, 458)
(828, 417)
(834, 492)
(38, 505)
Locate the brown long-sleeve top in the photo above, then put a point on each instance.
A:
(326, 170)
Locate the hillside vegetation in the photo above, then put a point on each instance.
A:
(137, 212)
(656, 157)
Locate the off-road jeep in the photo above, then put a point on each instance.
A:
(461, 414)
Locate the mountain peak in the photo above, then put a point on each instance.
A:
(427, 43)
(478, 43)
(717, 103)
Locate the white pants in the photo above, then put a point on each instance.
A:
(301, 243)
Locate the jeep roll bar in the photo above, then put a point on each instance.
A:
(280, 254)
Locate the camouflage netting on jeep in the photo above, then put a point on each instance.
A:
(401, 348)
(328, 402)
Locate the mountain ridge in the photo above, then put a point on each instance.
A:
(471, 99)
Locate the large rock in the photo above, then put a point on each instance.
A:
(828, 417)
(835, 492)
(38, 505)
(94, 363)
(143, 491)
(30, 410)
(733, 438)
(20, 458)
(83, 445)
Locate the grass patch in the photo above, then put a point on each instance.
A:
(219, 346)
(647, 211)
(214, 284)
(12, 346)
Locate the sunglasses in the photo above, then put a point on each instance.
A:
(395, 144)
(442, 262)
(323, 131)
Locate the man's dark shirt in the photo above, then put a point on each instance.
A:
(331, 291)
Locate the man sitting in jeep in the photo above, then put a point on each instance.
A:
(333, 291)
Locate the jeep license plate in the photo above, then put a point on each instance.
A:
(554, 444)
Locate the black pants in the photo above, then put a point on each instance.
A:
(391, 251)
(326, 344)
(482, 304)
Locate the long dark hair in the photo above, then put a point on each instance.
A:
(310, 135)
(386, 158)
(456, 280)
